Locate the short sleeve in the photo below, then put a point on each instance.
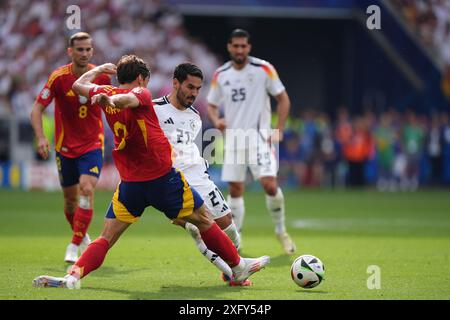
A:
(215, 94)
(47, 93)
(143, 95)
(273, 85)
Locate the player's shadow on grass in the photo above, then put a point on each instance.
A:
(104, 272)
(177, 292)
(281, 260)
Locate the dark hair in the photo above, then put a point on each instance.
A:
(182, 71)
(239, 33)
(78, 36)
(130, 67)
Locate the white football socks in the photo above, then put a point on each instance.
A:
(237, 210)
(233, 234)
(275, 205)
(208, 254)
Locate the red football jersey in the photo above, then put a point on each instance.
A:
(78, 126)
(142, 151)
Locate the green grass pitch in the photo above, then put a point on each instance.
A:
(407, 235)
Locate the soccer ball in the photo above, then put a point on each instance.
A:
(307, 271)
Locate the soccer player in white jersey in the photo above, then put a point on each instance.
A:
(181, 124)
(242, 87)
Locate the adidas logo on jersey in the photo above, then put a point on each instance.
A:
(227, 83)
(94, 170)
(224, 208)
(169, 121)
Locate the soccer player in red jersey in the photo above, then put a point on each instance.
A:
(143, 158)
(78, 139)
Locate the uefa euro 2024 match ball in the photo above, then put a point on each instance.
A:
(307, 271)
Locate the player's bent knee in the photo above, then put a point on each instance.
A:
(236, 189)
(200, 218)
(85, 202)
(270, 187)
(225, 221)
(179, 222)
(87, 189)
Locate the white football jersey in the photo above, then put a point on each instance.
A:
(244, 94)
(181, 127)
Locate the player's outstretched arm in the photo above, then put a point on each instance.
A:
(36, 122)
(121, 101)
(84, 83)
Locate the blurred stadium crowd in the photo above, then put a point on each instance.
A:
(392, 150)
(34, 42)
(395, 151)
(431, 21)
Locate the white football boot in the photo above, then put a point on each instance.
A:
(249, 267)
(69, 282)
(71, 253)
(84, 243)
(287, 243)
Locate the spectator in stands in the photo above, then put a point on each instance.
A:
(412, 137)
(434, 143)
(356, 150)
(385, 138)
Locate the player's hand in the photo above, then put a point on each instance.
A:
(103, 100)
(220, 124)
(276, 136)
(43, 147)
(108, 68)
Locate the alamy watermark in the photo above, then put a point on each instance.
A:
(374, 20)
(233, 146)
(374, 280)
(73, 21)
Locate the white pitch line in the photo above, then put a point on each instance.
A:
(351, 223)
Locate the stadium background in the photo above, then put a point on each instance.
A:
(330, 62)
(339, 74)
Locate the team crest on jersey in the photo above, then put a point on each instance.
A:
(45, 93)
(193, 125)
(82, 99)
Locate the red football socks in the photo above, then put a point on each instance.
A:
(69, 217)
(81, 220)
(216, 240)
(91, 259)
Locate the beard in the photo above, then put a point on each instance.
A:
(239, 59)
(184, 100)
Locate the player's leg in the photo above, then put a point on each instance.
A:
(219, 242)
(236, 201)
(265, 170)
(70, 202)
(85, 211)
(234, 172)
(275, 206)
(126, 207)
(183, 202)
(69, 178)
(215, 202)
(91, 259)
(89, 166)
(216, 205)
(211, 256)
(70, 205)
